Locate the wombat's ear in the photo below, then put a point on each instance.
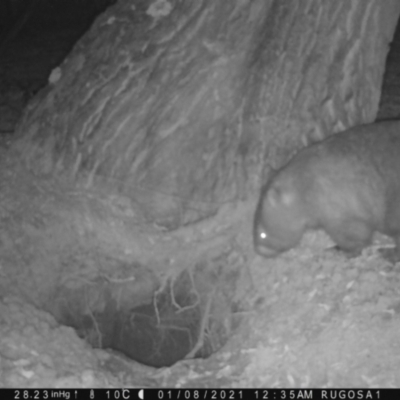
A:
(274, 196)
(279, 197)
(287, 198)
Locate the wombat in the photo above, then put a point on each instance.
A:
(347, 185)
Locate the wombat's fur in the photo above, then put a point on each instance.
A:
(347, 185)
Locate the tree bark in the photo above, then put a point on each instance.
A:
(180, 105)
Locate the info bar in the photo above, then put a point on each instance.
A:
(199, 394)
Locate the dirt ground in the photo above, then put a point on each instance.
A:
(313, 318)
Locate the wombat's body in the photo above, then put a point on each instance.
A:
(347, 185)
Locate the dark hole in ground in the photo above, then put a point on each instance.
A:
(190, 316)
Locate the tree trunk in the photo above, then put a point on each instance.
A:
(179, 105)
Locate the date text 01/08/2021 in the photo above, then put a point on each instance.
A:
(199, 394)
